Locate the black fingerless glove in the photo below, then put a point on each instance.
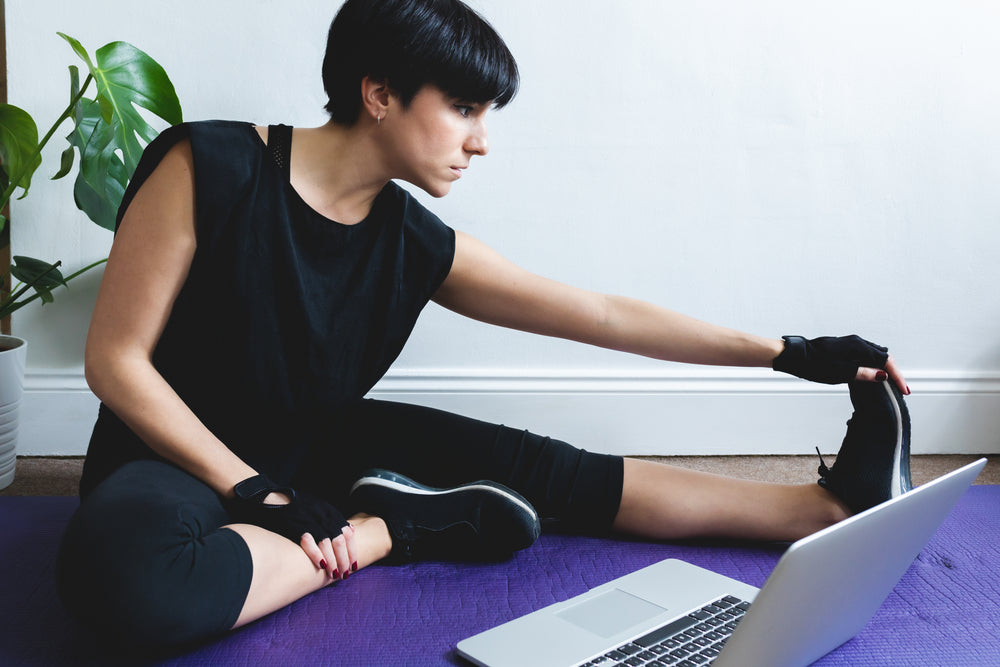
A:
(830, 360)
(304, 514)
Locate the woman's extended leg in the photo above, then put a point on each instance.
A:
(873, 465)
(666, 502)
(594, 493)
(578, 489)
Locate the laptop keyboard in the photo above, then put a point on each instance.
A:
(695, 639)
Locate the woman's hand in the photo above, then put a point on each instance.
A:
(833, 360)
(337, 556)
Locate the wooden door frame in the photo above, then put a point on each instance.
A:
(5, 235)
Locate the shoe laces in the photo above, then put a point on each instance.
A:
(823, 470)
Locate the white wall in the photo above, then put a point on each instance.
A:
(776, 166)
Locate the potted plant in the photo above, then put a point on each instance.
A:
(12, 357)
(107, 131)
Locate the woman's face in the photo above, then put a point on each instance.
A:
(432, 141)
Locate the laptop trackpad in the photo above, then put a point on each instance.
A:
(610, 613)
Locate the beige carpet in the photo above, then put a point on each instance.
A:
(45, 476)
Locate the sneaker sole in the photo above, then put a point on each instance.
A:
(901, 482)
(404, 484)
(880, 411)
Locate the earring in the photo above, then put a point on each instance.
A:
(379, 120)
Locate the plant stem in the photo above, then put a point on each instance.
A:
(15, 178)
(36, 295)
(21, 288)
(85, 269)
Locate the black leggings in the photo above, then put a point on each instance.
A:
(145, 557)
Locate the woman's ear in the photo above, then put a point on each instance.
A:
(375, 94)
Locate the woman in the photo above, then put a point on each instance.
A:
(263, 279)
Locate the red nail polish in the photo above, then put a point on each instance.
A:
(346, 574)
(322, 564)
(354, 566)
(881, 376)
(336, 574)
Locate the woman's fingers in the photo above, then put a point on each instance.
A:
(322, 555)
(897, 376)
(352, 554)
(343, 549)
(871, 374)
(338, 556)
(316, 555)
(330, 556)
(891, 372)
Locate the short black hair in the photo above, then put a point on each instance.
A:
(412, 43)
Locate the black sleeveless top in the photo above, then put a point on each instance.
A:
(285, 314)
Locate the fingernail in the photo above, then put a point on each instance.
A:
(354, 566)
(322, 564)
(336, 574)
(881, 376)
(346, 574)
(907, 390)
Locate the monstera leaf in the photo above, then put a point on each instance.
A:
(109, 132)
(19, 156)
(109, 128)
(100, 184)
(40, 275)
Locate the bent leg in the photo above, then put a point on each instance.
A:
(666, 502)
(144, 559)
(150, 558)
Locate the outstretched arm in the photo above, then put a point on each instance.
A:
(485, 286)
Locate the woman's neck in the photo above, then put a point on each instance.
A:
(337, 170)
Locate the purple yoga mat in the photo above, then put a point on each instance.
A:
(945, 611)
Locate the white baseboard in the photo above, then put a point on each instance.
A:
(701, 412)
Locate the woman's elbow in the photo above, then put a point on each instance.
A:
(95, 367)
(105, 365)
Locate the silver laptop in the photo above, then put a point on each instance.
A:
(822, 592)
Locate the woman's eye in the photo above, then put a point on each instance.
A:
(465, 110)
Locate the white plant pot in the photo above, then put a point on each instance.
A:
(13, 352)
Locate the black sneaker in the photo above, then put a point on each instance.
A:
(477, 521)
(873, 464)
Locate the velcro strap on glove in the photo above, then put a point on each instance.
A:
(303, 514)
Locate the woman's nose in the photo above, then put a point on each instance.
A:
(478, 142)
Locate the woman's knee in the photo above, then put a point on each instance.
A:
(572, 489)
(150, 566)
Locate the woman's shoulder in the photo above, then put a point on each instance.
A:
(221, 136)
(221, 151)
(206, 136)
(218, 126)
(203, 129)
(225, 153)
